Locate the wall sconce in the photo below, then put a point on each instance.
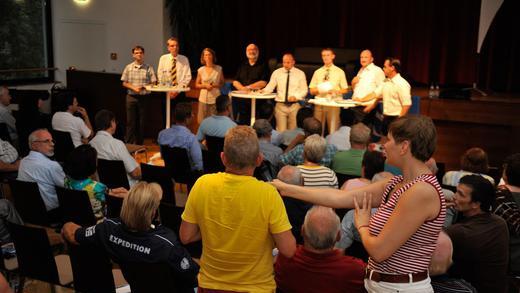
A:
(82, 2)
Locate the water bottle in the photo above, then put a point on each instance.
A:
(431, 91)
(437, 91)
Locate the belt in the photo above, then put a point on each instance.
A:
(406, 278)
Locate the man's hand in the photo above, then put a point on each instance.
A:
(68, 232)
(292, 99)
(120, 192)
(83, 112)
(137, 89)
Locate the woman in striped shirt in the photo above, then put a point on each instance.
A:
(401, 236)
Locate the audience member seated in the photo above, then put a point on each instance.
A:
(451, 213)
(474, 161)
(110, 148)
(317, 266)
(64, 120)
(296, 209)
(37, 167)
(178, 135)
(7, 214)
(439, 265)
(294, 153)
(9, 161)
(314, 174)
(289, 135)
(266, 111)
(341, 137)
(5, 114)
(373, 162)
(239, 219)
(270, 152)
(349, 162)
(80, 166)
(135, 238)
(507, 206)
(30, 117)
(480, 240)
(217, 125)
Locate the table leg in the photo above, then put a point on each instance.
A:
(253, 111)
(333, 120)
(167, 111)
(323, 121)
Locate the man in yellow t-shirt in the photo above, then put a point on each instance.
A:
(239, 219)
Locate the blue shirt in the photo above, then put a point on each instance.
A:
(215, 125)
(181, 137)
(37, 167)
(295, 156)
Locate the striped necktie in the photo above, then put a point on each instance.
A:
(174, 72)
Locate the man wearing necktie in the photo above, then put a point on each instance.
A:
(291, 87)
(174, 70)
(395, 92)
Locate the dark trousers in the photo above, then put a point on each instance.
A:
(387, 120)
(135, 118)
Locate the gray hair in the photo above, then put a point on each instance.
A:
(34, 136)
(321, 227)
(360, 134)
(263, 128)
(290, 175)
(314, 148)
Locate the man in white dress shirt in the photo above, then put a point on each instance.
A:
(395, 92)
(174, 69)
(369, 77)
(64, 120)
(291, 87)
(329, 81)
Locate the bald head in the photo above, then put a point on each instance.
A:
(290, 175)
(41, 141)
(441, 257)
(252, 52)
(365, 58)
(320, 229)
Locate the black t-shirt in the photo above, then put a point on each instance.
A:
(157, 245)
(248, 74)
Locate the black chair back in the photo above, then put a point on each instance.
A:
(151, 277)
(112, 173)
(28, 202)
(495, 173)
(441, 170)
(160, 175)
(178, 164)
(34, 253)
(212, 162)
(449, 187)
(91, 269)
(215, 144)
(114, 205)
(63, 145)
(4, 132)
(75, 206)
(265, 172)
(171, 218)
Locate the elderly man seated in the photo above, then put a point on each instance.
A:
(317, 266)
(270, 152)
(349, 162)
(217, 125)
(314, 174)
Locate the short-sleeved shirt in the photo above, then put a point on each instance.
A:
(214, 77)
(110, 148)
(65, 121)
(396, 92)
(318, 176)
(295, 156)
(96, 193)
(237, 216)
(215, 125)
(7, 117)
(157, 245)
(332, 74)
(180, 136)
(36, 167)
(138, 75)
(370, 78)
(248, 74)
(340, 138)
(348, 162)
(8, 154)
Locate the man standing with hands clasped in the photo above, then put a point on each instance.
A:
(135, 76)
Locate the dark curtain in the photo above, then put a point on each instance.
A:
(435, 40)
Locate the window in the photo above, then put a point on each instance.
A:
(25, 41)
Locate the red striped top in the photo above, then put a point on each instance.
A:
(415, 254)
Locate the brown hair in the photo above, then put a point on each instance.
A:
(421, 133)
(212, 54)
(474, 160)
(137, 48)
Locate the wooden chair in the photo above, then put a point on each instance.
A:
(161, 176)
(76, 206)
(63, 144)
(112, 173)
(35, 256)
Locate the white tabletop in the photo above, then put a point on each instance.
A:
(339, 102)
(165, 88)
(251, 95)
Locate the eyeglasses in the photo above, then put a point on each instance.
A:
(46, 141)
